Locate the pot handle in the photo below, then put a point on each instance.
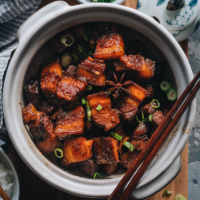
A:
(39, 17)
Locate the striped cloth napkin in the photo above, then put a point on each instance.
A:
(12, 15)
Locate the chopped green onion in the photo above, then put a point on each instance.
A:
(143, 119)
(116, 136)
(66, 60)
(171, 94)
(80, 48)
(74, 57)
(85, 36)
(99, 107)
(109, 92)
(180, 197)
(83, 100)
(67, 38)
(150, 118)
(90, 87)
(58, 153)
(165, 86)
(155, 101)
(89, 114)
(167, 193)
(129, 145)
(97, 175)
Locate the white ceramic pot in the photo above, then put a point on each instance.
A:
(32, 36)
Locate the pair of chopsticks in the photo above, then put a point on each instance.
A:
(153, 145)
(3, 195)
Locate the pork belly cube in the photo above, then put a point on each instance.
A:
(50, 76)
(132, 63)
(139, 142)
(148, 109)
(89, 166)
(105, 150)
(147, 70)
(109, 46)
(32, 92)
(128, 108)
(138, 93)
(70, 123)
(151, 91)
(111, 168)
(107, 117)
(141, 129)
(77, 150)
(46, 107)
(70, 88)
(56, 101)
(107, 121)
(69, 167)
(30, 114)
(157, 118)
(128, 158)
(93, 71)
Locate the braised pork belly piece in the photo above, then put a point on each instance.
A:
(111, 168)
(50, 76)
(158, 117)
(69, 167)
(70, 88)
(139, 142)
(128, 158)
(93, 71)
(42, 129)
(106, 117)
(151, 91)
(109, 46)
(142, 69)
(46, 107)
(149, 109)
(32, 92)
(141, 129)
(70, 123)
(105, 150)
(89, 166)
(77, 150)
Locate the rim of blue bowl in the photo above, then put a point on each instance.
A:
(88, 1)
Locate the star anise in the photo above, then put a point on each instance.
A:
(118, 86)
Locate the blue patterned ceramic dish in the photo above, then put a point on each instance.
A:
(89, 1)
(181, 23)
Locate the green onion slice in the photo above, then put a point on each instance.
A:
(97, 175)
(67, 38)
(129, 145)
(74, 57)
(180, 197)
(85, 36)
(165, 86)
(58, 152)
(89, 113)
(167, 193)
(83, 100)
(66, 60)
(116, 136)
(150, 118)
(155, 101)
(143, 119)
(99, 107)
(171, 94)
(90, 87)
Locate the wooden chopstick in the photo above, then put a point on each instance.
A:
(133, 183)
(152, 140)
(3, 194)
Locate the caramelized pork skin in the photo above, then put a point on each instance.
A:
(89, 166)
(105, 150)
(70, 88)
(93, 71)
(50, 76)
(111, 168)
(107, 117)
(32, 91)
(158, 117)
(42, 129)
(77, 150)
(141, 129)
(70, 123)
(109, 46)
(139, 142)
(128, 158)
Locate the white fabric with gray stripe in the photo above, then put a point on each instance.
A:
(12, 15)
